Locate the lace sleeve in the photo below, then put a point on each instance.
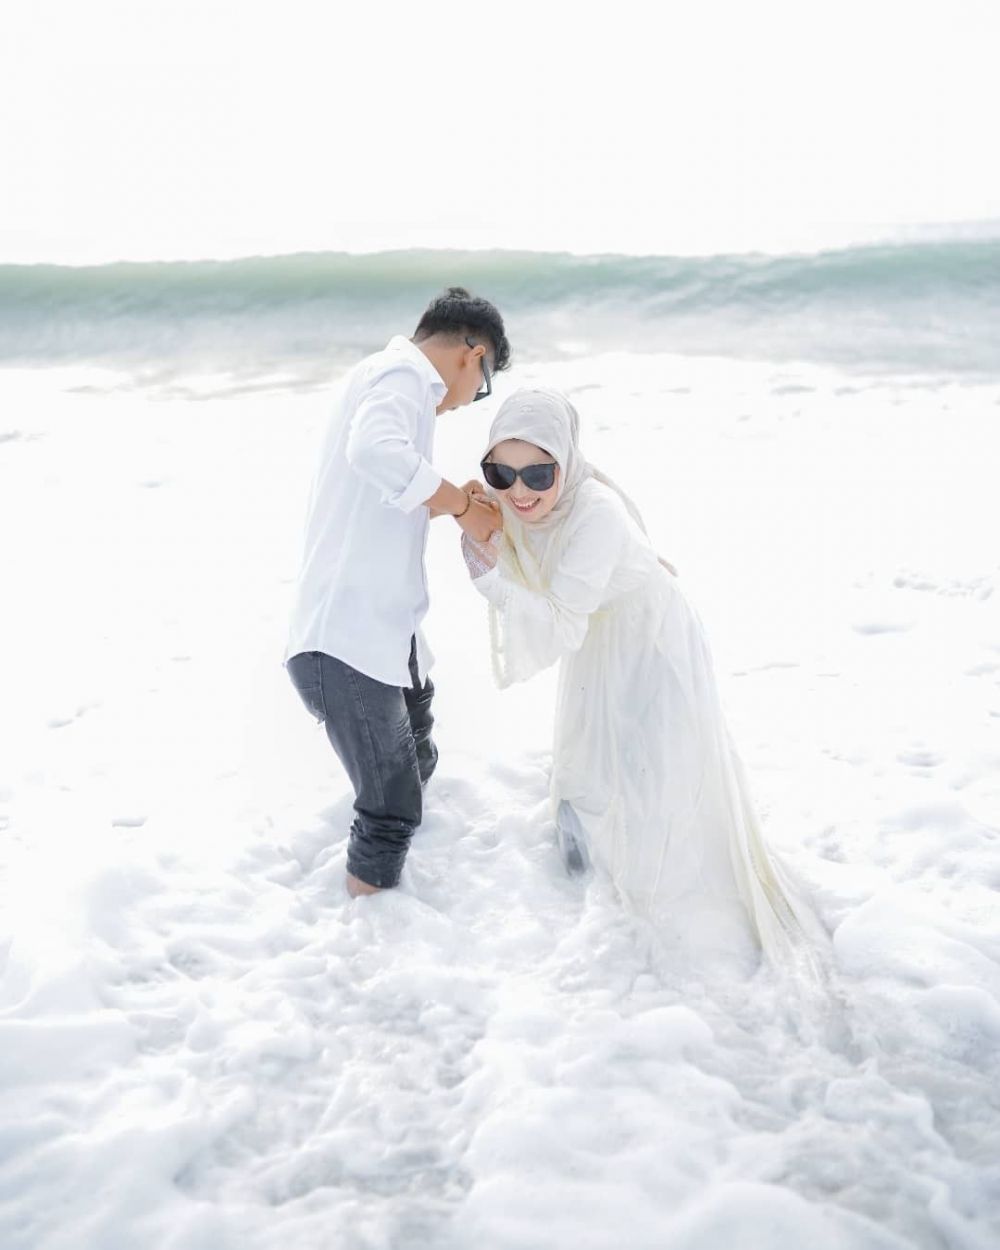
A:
(480, 558)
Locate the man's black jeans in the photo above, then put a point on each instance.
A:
(382, 736)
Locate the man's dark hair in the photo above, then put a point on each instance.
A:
(461, 315)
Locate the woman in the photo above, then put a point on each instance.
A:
(645, 779)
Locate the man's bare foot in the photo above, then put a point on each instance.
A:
(356, 887)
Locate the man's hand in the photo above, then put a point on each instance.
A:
(482, 519)
(472, 487)
(449, 500)
(477, 491)
(477, 514)
(475, 488)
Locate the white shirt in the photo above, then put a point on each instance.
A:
(362, 591)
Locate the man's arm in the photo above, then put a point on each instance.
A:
(380, 448)
(380, 441)
(477, 515)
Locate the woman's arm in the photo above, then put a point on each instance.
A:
(535, 628)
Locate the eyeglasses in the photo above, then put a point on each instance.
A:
(486, 376)
(535, 476)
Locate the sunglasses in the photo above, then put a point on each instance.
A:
(535, 476)
(486, 376)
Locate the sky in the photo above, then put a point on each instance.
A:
(144, 130)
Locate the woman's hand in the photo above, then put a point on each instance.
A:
(475, 488)
(481, 519)
(484, 517)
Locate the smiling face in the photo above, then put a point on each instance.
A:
(529, 505)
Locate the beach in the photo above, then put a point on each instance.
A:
(204, 1043)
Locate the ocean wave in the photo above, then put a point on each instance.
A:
(915, 307)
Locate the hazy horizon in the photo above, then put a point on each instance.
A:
(874, 237)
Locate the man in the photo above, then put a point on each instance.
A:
(355, 652)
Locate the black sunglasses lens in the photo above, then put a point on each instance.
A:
(539, 476)
(499, 476)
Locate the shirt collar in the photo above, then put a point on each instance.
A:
(400, 343)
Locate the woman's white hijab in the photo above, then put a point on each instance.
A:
(530, 549)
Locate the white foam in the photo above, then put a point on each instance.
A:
(204, 1044)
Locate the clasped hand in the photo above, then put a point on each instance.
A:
(481, 547)
(481, 518)
(484, 517)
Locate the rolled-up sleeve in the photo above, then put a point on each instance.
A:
(380, 443)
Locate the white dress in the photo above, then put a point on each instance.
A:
(641, 748)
